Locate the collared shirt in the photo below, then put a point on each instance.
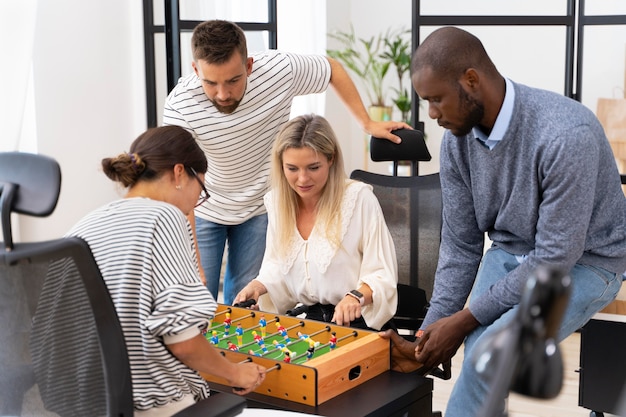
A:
(502, 121)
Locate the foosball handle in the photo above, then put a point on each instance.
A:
(245, 304)
(297, 310)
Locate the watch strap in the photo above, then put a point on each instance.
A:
(355, 294)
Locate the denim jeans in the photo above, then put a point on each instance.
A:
(592, 289)
(246, 246)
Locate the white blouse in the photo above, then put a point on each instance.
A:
(315, 271)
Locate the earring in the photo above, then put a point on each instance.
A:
(178, 187)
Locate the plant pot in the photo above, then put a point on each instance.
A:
(380, 113)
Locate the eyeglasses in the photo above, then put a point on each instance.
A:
(204, 194)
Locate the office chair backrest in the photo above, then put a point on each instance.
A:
(412, 210)
(63, 347)
(63, 350)
(29, 184)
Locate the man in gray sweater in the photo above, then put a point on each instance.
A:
(532, 169)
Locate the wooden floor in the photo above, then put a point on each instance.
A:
(565, 405)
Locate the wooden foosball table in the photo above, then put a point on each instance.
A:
(309, 362)
(316, 367)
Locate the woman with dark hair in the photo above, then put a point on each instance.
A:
(328, 246)
(144, 247)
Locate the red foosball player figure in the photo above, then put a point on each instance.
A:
(332, 342)
(287, 358)
(283, 332)
(227, 323)
(239, 332)
(232, 346)
(214, 339)
(263, 325)
(259, 341)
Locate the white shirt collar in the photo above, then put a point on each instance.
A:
(502, 121)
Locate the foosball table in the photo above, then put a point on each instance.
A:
(307, 361)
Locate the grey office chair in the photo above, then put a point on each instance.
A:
(63, 351)
(412, 207)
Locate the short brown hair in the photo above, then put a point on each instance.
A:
(215, 41)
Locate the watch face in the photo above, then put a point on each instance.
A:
(357, 293)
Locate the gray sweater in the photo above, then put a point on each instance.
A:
(550, 190)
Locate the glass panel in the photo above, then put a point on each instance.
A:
(158, 9)
(604, 78)
(258, 41)
(234, 10)
(605, 7)
(160, 69)
(604, 57)
(494, 7)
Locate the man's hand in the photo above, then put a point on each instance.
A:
(383, 129)
(441, 340)
(402, 352)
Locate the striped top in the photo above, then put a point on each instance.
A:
(238, 145)
(145, 252)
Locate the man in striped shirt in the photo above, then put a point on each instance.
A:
(235, 105)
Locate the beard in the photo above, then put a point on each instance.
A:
(228, 109)
(473, 111)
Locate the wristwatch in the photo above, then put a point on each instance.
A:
(358, 295)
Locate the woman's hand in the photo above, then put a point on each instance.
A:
(247, 378)
(252, 291)
(346, 311)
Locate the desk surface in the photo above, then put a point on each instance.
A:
(389, 394)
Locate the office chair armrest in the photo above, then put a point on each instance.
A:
(444, 371)
(219, 404)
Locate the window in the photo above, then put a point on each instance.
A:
(168, 25)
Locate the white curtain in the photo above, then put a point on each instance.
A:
(17, 33)
(302, 29)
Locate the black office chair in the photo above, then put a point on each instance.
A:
(412, 208)
(62, 351)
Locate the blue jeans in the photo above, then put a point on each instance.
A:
(592, 289)
(246, 246)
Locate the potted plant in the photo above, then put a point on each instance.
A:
(364, 58)
(398, 52)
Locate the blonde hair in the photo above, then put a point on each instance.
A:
(314, 132)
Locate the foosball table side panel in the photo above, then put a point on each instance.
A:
(355, 363)
(288, 382)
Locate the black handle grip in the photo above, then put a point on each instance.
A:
(245, 304)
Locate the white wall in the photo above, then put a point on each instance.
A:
(89, 97)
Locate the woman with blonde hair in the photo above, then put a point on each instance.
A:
(328, 246)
